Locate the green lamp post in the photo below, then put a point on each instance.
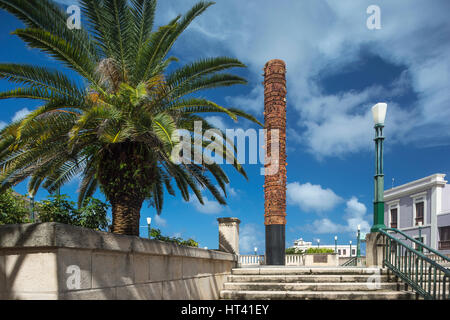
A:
(350, 248)
(358, 242)
(149, 221)
(32, 218)
(335, 244)
(420, 235)
(379, 115)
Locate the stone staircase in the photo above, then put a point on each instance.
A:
(318, 283)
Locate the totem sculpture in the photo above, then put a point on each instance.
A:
(275, 182)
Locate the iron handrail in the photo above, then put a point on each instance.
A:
(425, 276)
(350, 262)
(421, 244)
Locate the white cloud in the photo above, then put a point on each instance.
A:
(326, 226)
(250, 236)
(67, 2)
(253, 102)
(217, 122)
(321, 38)
(19, 115)
(160, 221)
(209, 206)
(311, 197)
(232, 192)
(355, 214)
(2, 124)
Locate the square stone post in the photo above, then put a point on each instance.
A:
(374, 249)
(229, 235)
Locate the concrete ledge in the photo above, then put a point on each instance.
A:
(57, 261)
(58, 235)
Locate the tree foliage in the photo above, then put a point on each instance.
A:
(156, 234)
(114, 128)
(14, 208)
(57, 208)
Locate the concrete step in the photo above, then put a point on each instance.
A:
(307, 278)
(316, 295)
(291, 287)
(306, 270)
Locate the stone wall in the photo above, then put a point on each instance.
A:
(57, 261)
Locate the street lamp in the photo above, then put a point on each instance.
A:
(358, 243)
(350, 248)
(32, 207)
(420, 235)
(149, 221)
(318, 243)
(256, 250)
(379, 115)
(335, 244)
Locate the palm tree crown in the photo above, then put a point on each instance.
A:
(116, 130)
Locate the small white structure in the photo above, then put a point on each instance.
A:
(342, 250)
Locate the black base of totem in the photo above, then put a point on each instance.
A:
(275, 244)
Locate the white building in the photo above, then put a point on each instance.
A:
(424, 204)
(342, 250)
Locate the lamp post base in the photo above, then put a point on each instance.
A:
(377, 228)
(275, 244)
(378, 216)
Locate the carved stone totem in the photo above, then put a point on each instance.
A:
(275, 182)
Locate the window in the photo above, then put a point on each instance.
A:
(339, 251)
(444, 238)
(419, 205)
(419, 212)
(353, 252)
(345, 252)
(394, 215)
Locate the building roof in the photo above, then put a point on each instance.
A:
(415, 186)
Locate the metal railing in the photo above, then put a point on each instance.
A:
(444, 245)
(424, 275)
(352, 262)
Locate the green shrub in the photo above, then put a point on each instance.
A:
(294, 251)
(319, 250)
(13, 208)
(57, 208)
(156, 234)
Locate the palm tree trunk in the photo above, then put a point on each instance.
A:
(126, 178)
(126, 215)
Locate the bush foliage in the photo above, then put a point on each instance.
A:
(13, 208)
(309, 250)
(57, 208)
(156, 234)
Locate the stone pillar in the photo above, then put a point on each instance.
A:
(275, 180)
(229, 235)
(374, 249)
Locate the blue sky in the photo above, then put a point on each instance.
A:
(337, 69)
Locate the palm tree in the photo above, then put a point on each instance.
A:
(116, 127)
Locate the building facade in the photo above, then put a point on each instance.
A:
(425, 204)
(342, 250)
